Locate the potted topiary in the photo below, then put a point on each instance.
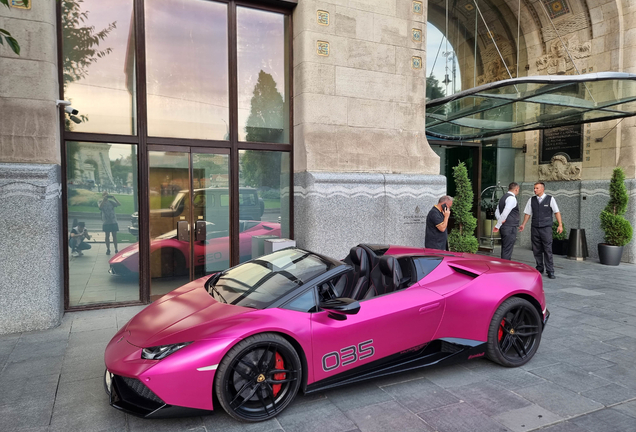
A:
(462, 238)
(560, 242)
(618, 231)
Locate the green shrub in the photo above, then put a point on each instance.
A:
(618, 230)
(461, 238)
(555, 234)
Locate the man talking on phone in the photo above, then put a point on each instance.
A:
(437, 224)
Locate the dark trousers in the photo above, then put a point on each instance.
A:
(508, 235)
(542, 248)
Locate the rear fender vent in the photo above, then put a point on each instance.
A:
(464, 271)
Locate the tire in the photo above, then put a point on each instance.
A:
(258, 377)
(514, 333)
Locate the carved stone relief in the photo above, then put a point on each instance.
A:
(494, 69)
(560, 169)
(557, 60)
(566, 26)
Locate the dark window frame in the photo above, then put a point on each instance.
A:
(142, 140)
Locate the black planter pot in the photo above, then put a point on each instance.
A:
(560, 247)
(610, 255)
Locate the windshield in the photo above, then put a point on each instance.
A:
(260, 282)
(178, 200)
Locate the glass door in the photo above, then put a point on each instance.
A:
(189, 201)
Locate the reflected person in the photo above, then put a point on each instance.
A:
(76, 242)
(109, 219)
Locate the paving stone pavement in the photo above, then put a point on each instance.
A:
(582, 379)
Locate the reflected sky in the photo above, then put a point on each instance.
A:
(102, 95)
(434, 37)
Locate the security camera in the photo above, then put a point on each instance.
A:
(69, 109)
(75, 119)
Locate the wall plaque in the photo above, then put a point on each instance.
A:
(322, 17)
(567, 140)
(418, 8)
(416, 35)
(322, 48)
(416, 62)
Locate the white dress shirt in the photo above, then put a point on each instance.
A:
(553, 205)
(511, 202)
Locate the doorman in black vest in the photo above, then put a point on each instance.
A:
(507, 214)
(541, 207)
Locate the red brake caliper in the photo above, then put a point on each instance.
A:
(279, 376)
(500, 333)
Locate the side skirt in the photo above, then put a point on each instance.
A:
(437, 352)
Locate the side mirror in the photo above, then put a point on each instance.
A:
(340, 306)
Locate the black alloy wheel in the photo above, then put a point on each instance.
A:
(258, 377)
(514, 333)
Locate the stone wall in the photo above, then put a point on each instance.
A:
(336, 211)
(31, 285)
(581, 203)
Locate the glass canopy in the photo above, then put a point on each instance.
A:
(530, 103)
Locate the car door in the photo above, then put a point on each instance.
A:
(384, 325)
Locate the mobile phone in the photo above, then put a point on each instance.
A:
(444, 207)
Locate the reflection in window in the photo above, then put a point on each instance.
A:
(263, 85)
(102, 195)
(98, 63)
(263, 196)
(187, 69)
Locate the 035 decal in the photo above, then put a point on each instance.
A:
(347, 355)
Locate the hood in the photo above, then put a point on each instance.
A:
(186, 314)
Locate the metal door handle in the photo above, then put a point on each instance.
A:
(429, 307)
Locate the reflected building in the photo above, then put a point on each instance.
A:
(218, 125)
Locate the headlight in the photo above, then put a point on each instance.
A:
(160, 352)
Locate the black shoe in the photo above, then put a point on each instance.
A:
(539, 269)
(116, 251)
(551, 275)
(107, 251)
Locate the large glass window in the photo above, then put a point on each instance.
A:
(102, 194)
(264, 178)
(263, 83)
(187, 69)
(98, 63)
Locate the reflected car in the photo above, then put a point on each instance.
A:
(249, 339)
(171, 256)
(212, 203)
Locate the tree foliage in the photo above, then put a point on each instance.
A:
(462, 238)
(618, 230)
(6, 36)
(80, 41)
(558, 235)
(434, 90)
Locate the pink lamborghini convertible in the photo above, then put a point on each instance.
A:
(251, 337)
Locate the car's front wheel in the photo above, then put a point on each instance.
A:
(514, 333)
(258, 377)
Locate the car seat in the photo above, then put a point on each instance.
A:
(359, 284)
(386, 278)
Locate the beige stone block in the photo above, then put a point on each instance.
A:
(608, 157)
(404, 58)
(600, 29)
(630, 38)
(29, 131)
(590, 173)
(353, 23)
(317, 146)
(595, 158)
(404, 10)
(371, 56)
(410, 116)
(370, 85)
(310, 77)
(38, 40)
(389, 30)
(317, 108)
(384, 7)
(28, 79)
(609, 11)
(598, 44)
(371, 113)
(305, 49)
(415, 89)
(596, 15)
(306, 19)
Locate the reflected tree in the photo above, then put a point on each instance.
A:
(265, 122)
(261, 168)
(434, 90)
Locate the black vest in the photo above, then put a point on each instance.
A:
(513, 217)
(541, 213)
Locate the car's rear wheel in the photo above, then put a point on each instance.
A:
(514, 333)
(258, 377)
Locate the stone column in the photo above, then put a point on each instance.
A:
(364, 171)
(31, 285)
